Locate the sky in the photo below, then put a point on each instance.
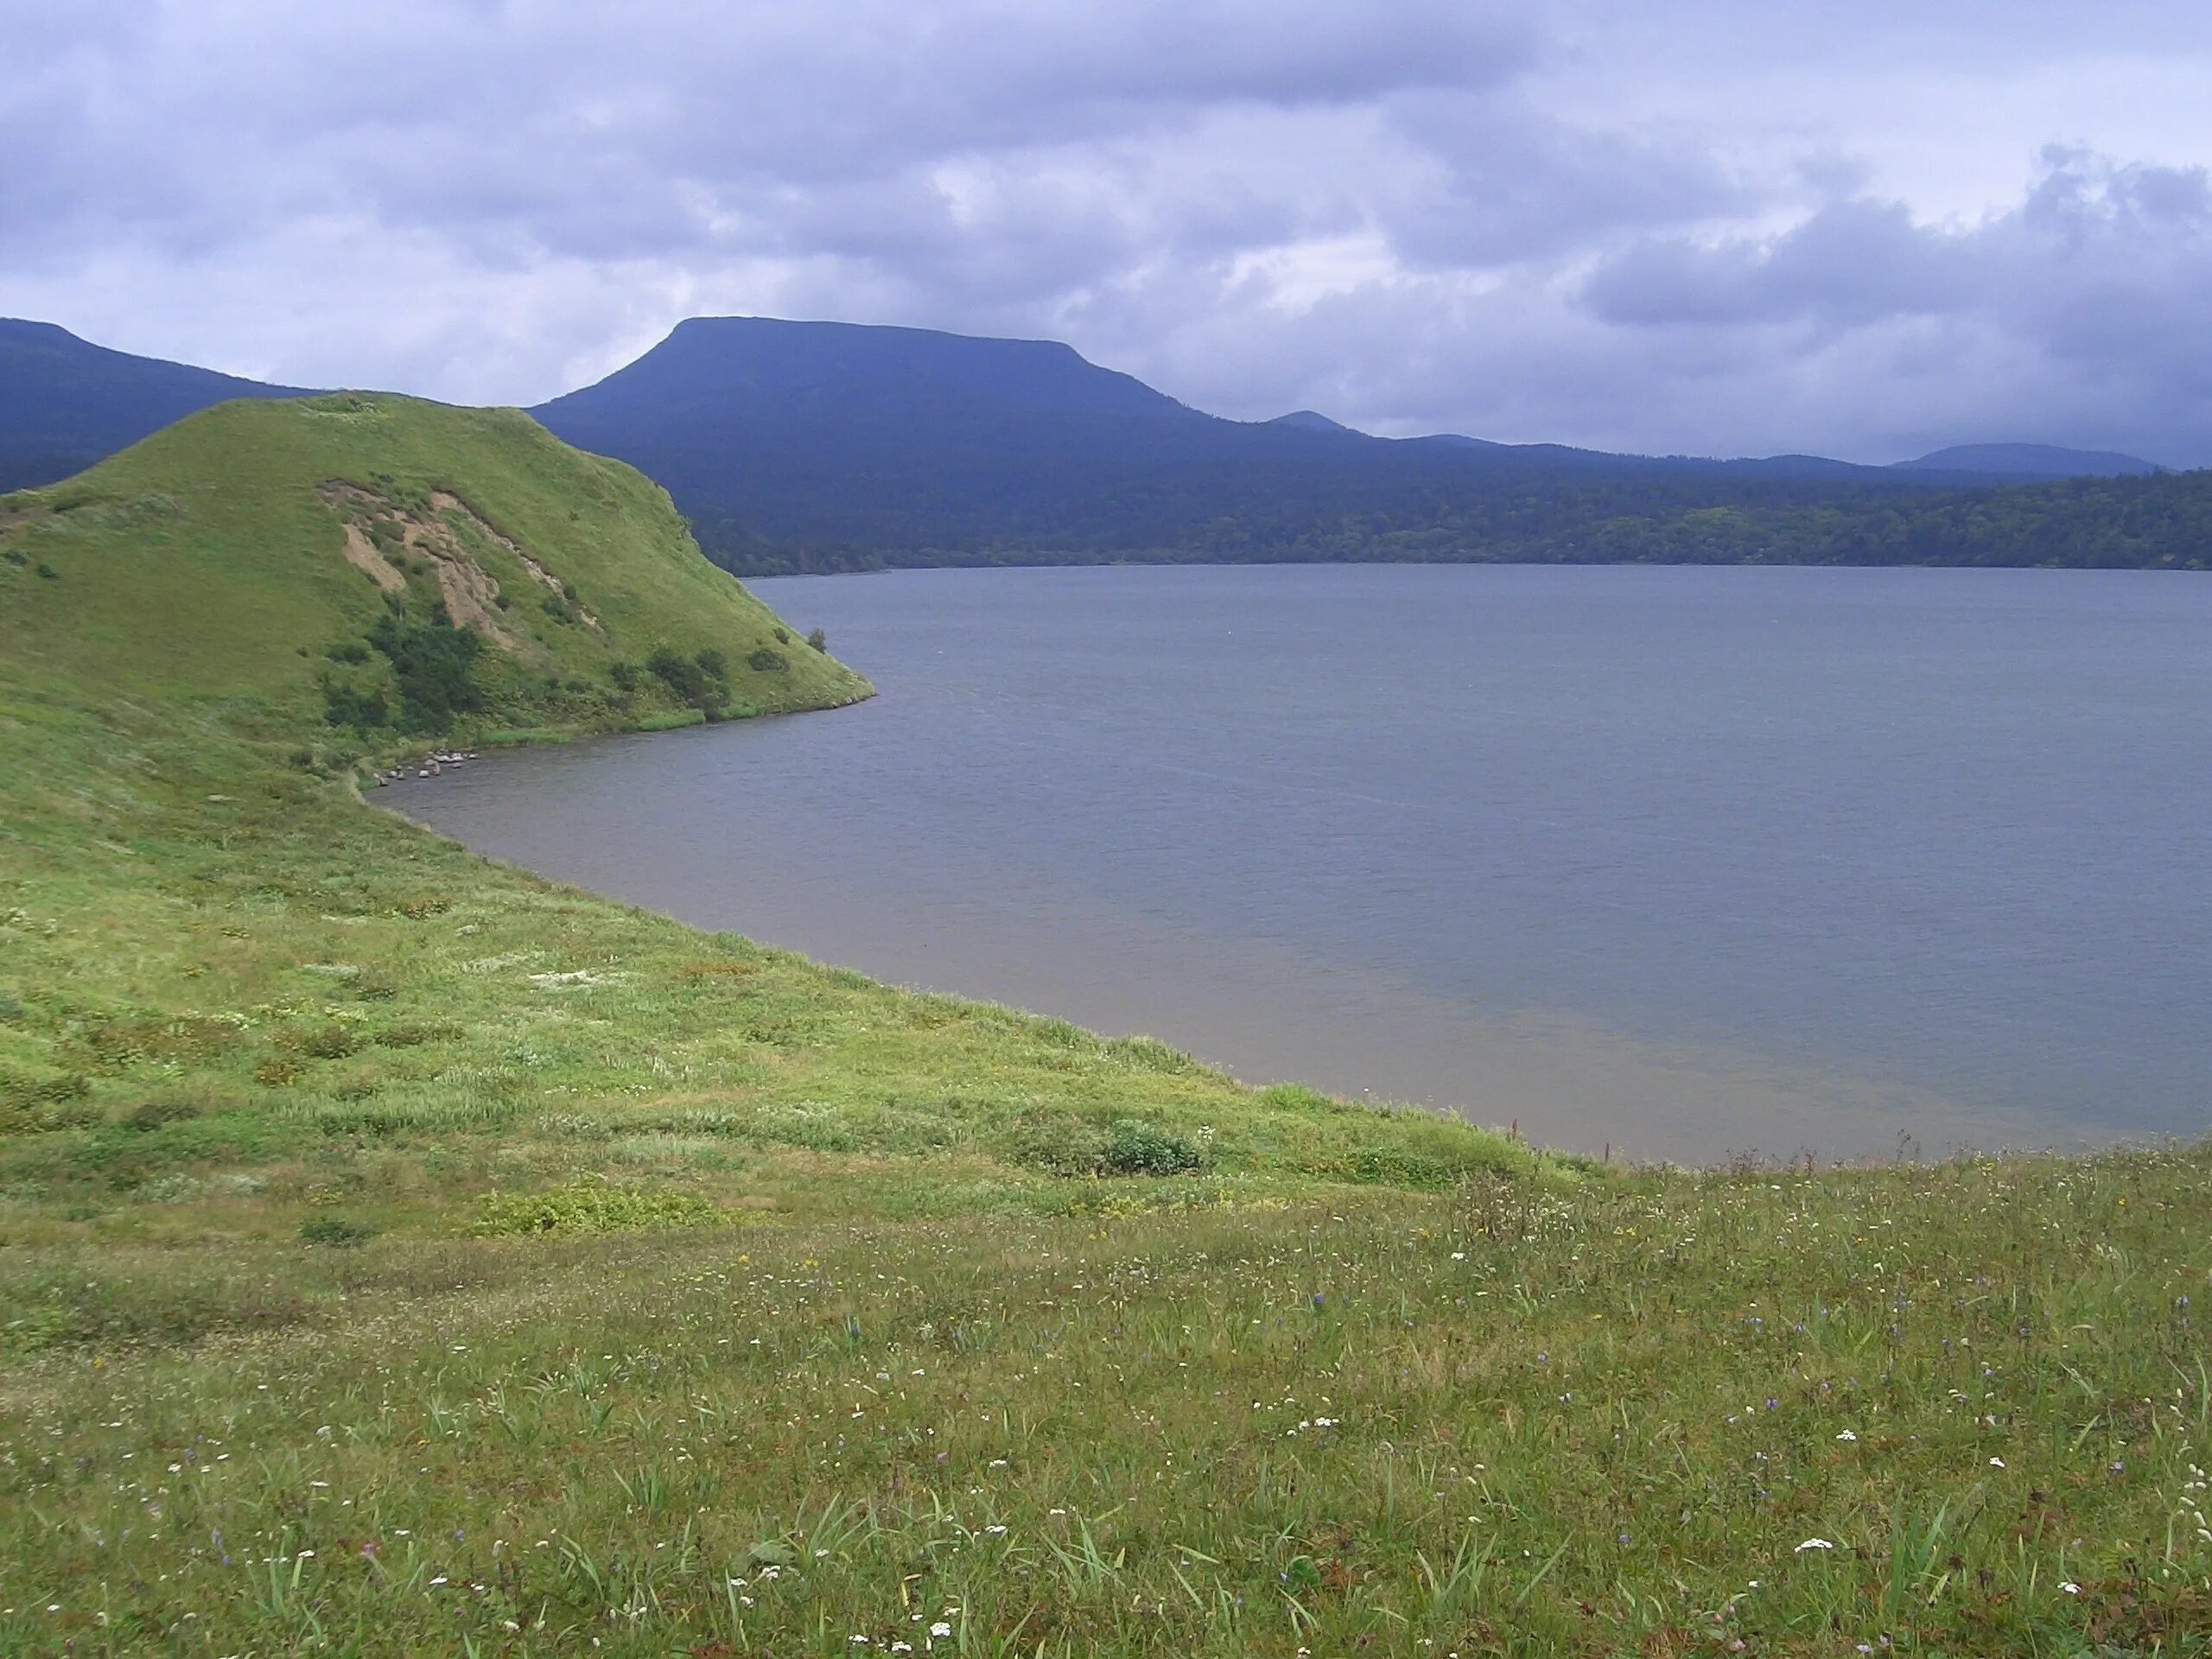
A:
(1709, 227)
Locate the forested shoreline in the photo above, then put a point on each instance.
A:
(2156, 523)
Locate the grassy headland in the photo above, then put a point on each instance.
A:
(401, 1254)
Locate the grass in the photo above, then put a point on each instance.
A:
(1607, 1417)
(205, 562)
(402, 1254)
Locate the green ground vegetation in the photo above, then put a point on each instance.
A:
(402, 1254)
(1318, 515)
(546, 587)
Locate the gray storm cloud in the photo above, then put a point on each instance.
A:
(1731, 228)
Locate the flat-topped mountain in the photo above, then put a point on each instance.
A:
(799, 446)
(65, 403)
(835, 444)
(727, 367)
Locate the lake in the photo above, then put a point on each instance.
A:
(1680, 863)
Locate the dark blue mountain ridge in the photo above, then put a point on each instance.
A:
(837, 446)
(766, 366)
(1312, 421)
(740, 368)
(855, 442)
(65, 403)
(2031, 460)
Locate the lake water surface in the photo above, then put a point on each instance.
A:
(1681, 861)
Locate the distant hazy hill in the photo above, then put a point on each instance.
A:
(2031, 460)
(65, 403)
(379, 561)
(1311, 421)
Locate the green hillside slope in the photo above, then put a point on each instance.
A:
(252, 550)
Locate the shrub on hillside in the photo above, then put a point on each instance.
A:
(415, 1033)
(1135, 1148)
(588, 1206)
(700, 682)
(362, 709)
(433, 662)
(335, 1232)
(1128, 1147)
(331, 1042)
(160, 1112)
(30, 1102)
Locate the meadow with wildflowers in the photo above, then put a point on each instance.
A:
(400, 1254)
(1950, 1409)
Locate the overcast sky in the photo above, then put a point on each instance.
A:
(1711, 226)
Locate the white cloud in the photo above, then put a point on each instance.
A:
(1717, 226)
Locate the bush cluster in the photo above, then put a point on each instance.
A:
(335, 1232)
(433, 679)
(1127, 1147)
(588, 1206)
(700, 682)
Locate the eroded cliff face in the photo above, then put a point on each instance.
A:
(381, 534)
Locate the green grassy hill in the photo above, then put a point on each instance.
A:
(248, 551)
(400, 1254)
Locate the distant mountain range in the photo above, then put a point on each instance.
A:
(817, 446)
(811, 446)
(66, 403)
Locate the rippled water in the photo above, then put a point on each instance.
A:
(1677, 861)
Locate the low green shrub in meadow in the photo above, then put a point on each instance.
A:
(590, 1206)
(1135, 1148)
(160, 1112)
(330, 1041)
(335, 1232)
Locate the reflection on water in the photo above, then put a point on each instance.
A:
(1679, 861)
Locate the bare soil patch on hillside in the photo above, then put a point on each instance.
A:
(470, 592)
(445, 502)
